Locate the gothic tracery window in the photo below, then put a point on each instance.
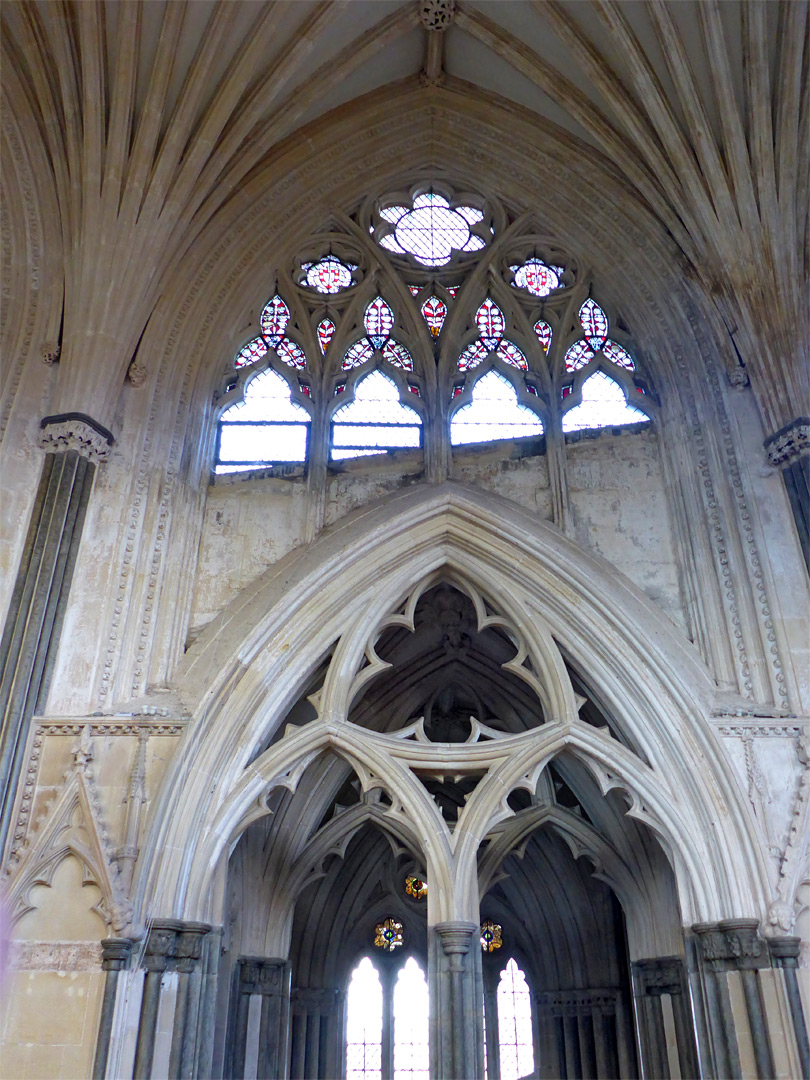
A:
(515, 1024)
(371, 1004)
(415, 342)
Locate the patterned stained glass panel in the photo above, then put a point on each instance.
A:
(414, 290)
(434, 311)
(472, 356)
(489, 320)
(594, 322)
(396, 353)
(618, 355)
(536, 277)
(494, 413)
(326, 331)
(378, 320)
(364, 1020)
(511, 354)
(358, 353)
(253, 351)
(274, 319)
(543, 331)
(291, 353)
(453, 290)
(515, 1024)
(603, 405)
(328, 275)
(578, 355)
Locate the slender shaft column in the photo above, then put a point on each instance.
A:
(115, 954)
(189, 950)
(387, 978)
(456, 997)
(161, 947)
(789, 451)
(785, 955)
(652, 979)
(39, 600)
(274, 981)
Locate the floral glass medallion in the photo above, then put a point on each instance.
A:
(434, 311)
(491, 935)
(388, 934)
(326, 331)
(416, 888)
(537, 278)
(328, 275)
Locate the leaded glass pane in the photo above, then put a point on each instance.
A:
(578, 355)
(253, 351)
(267, 398)
(257, 443)
(473, 355)
(594, 322)
(490, 321)
(618, 355)
(291, 353)
(328, 275)
(378, 321)
(397, 354)
(274, 319)
(603, 405)
(431, 231)
(494, 413)
(511, 354)
(515, 1024)
(358, 353)
(411, 1050)
(536, 277)
(326, 331)
(364, 1019)
(434, 311)
(375, 421)
(543, 331)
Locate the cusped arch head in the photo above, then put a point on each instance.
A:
(264, 647)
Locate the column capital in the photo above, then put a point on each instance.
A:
(189, 945)
(732, 944)
(659, 975)
(456, 937)
(75, 431)
(115, 953)
(161, 944)
(785, 951)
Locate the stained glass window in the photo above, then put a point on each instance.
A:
(578, 355)
(274, 319)
(490, 322)
(253, 351)
(618, 355)
(536, 277)
(511, 354)
(594, 322)
(431, 231)
(491, 935)
(515, 1024)
(388, 934)
(364, 1020)
(326, 331)
(358, 353)
(328, 275)
(411, 1024)
(416, 888)
(543, 331)
(434, 311)
(264, 428)
(396, 354)
(414, 289)
(291, 353)
(378, 321)
(603, 405)
(473, 355)
(375, 421)
(494, 413)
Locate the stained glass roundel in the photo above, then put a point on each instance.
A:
(328, 275)
(536, 277)
(431, 231)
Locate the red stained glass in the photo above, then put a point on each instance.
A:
(414, 389)
(358, 353)
(305, 388)
(414, 289)
(397, 355)
(378, 320)
(435, 312)
(253, 351)
(291, 353)
(453, 290)
(490, 321)
(458, 389)
(326, 331)
(617, 355)
(578, 355)
(594, 322)
(473, 355)
(543, 331)
(511, 354)
(328, 275)
(536, 277)
(274, 319)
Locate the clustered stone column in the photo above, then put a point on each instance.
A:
(317, 1033)
(75, 444)
(785, 956)
(665, 1032)
(267, 981)
(730, 955)
(456, 994)
(583, 1033)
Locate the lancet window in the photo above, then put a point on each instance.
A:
(375, 999)
(442, 326)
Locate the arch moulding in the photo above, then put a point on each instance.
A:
(255, 659)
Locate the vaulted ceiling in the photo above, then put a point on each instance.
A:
(140, 121)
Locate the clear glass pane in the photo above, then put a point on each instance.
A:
(411, 1051)
(267, 398)
(493, 414)
(515, 1023)
(376, 401)
(603, 405)
(262, 442)
(364, 1009)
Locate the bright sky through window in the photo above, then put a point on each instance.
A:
(603, 405)
(515, 1024)
(266, 427)
(411, 1048)
(375, 421)
(364, 1015)
(431, 231)
(493, 414)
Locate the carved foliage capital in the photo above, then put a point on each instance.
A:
(732, 945)
(72, 431)
(437, 14)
